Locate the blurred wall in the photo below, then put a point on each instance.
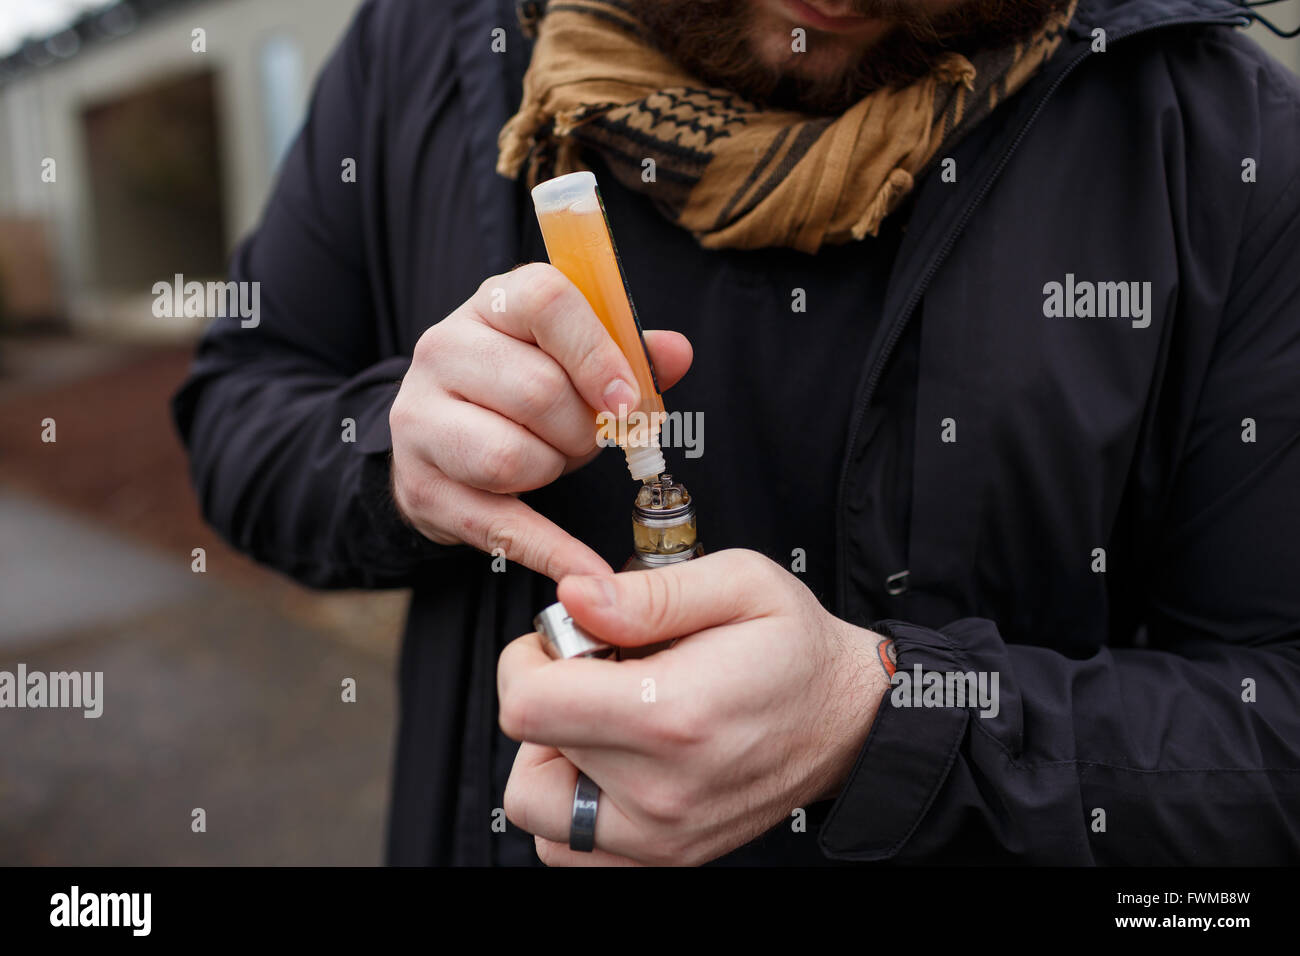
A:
(265, 55)
(1287, 17)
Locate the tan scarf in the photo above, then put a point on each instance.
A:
(735, 175)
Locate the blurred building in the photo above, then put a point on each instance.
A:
(139, 139)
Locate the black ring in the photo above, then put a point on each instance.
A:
(582, 831)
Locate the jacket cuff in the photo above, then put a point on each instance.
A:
(395, 546)
(904, 762)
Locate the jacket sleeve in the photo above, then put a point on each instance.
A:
(1186, 751)
(285, 415)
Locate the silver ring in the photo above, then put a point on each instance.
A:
(582, 830)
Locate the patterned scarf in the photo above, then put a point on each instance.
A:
(734, 174)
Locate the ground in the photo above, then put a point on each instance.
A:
(222, 690)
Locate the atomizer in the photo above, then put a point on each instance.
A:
(663, 525)
(663, 533)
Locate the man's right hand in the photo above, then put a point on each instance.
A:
(502, 401)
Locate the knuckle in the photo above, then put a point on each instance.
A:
(757, 580)
(664, 802)
(413, 410)
(596, 364)
(401, 414)
(545, 288)
(657, 854)
(514, 803)
(415, 494)
(601, 361)
(497, 281)
(540, 392)
(484, 349)
(512, 719)
(691, 853)
(768, 573)
(676, 725)
(497, 468)
(429, 345)
(501, 533)
(773, 581)
(547, 851)
(552, 566)
(579, 439)
(678, 849)
(409, 496)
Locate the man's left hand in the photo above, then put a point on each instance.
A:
(759, 709)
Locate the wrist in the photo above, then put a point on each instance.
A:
(865, 664)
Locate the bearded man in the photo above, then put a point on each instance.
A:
(990, 307)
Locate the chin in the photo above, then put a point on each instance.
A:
(827, 56)
(773, 51)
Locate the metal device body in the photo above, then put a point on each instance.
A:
(564, 639)
(648, 562)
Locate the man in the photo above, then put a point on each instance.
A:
(991, 316)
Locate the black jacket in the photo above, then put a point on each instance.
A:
(1164, 690)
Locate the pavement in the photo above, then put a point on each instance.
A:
(222, 690)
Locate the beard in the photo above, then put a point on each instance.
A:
(715, 41)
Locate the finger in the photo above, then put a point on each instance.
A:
(570, 703)
(581, 462)
(485, 450)
(490, 521)
(518, 660)
(645, 607)
(539, 800)
(559, 854)
(523, 384)
(670, 354)
(540, 305)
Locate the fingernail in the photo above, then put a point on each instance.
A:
(619, 393)
(597, 592)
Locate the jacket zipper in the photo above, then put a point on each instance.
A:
(877, 366)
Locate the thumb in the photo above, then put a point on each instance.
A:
(644, 607)
(670, 354)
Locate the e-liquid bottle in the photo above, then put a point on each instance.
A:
(580, 244)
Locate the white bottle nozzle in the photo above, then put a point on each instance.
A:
(645, 461)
